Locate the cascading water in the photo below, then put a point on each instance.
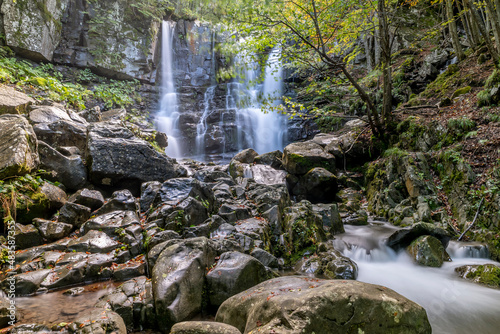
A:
(453, 305)
(167, 119)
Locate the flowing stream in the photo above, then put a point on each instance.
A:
(453, 305)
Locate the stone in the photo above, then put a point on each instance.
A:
(233, 273)
(74, 214)
(62, 133)
(91, 115)
(18, 146)
(272, 159)
(161, 139)
(234, 212)
(246, 156)
(27, 236)
(117, 158)
(29, 282)
(322, 306)
(5, 318)
(328, 263)
(70, 171)
(178, 280)
(47, 114)
(148, 194)
(52, 230)
(112, 223)
(404, 237)
(265, 258)
(203, 327)
(13, 102)
(98, 320)
(119, 200)
(92, 199)
(317, 186)
(485, 274)
(300, 158)
(56, 196)
(93, 242)
(428, 251)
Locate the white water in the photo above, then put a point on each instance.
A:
(167, 119)
(453, 305)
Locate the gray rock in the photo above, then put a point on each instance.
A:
(5, 316)
(486, 274)
(13, 102)
(18, 146)
(56, 196)
(92, 115)
(48, 114)
(74, 214)
(52, 230)
(203, 327)
(404, 237)
(178, 280)
(118, 158)
(70, 171)
(62, 133)
(428, 251)
(120, 200)
(233, 273)
(246, 156)
(29, 282)
(371, 308)
(89, 198)
(328, 263)
(148, 194)
(112, 223)
(272, 159)
(234, 212)
(317, 186)
(27, 236)
(98, 320)
(299, 158)
(265, 258)
(161, 139)
(94, 242)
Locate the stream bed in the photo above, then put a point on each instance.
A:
(453, 305)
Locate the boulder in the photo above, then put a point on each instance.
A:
(299, 158)
(98, 320)
(93, 242)
(74, 214)
(27, 236)
(148, 194)
(117, 158)
(428, 251)
(404, 237)
(33, 30)
(178, 280)
(18, 146)
(486, 274)
(233, 273)
(56, 196)
(203, 327)
(294, 304)
(62, 133)
(47, 114)
(28, 282)
(70, 171)
(92, 199)
(119, 200)
(13, 102)
(265, 258)
(272, 159)
(246, 156)
(51, 230)
(317, 186)
(112, 223)
(5, 317)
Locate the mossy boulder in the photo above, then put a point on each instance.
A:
(487, 274)
(295, 304)
(300, 158)
(428, 251)
(404, 237)
(461, 91)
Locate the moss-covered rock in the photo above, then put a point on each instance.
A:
(461, 91)
(300, 158)
(428, 251)
(487, 274)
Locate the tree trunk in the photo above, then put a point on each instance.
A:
(476, 17)
(452, 26)
(466, 23)
(385, 46)
(495, 25)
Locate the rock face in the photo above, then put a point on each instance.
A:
(18, 146)
(117, 157)
(428, 251)
(303, 305)
(33, 28)
(13, 102)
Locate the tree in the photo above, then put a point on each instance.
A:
(325, 36)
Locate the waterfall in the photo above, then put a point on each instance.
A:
(167, 119)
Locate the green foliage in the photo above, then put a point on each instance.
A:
(328, 123)
(493, 80)
(487, 274)
(461, 126)
(117, 93)
(395, 152)
(484, 98)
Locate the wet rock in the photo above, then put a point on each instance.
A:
(5, 312)
(13, 102)
(404, 237)
(30, 329)
(18, 146)
(118, 158)
(161, 139)
(133, 268)
(74, 291)
(62, 133)
(328, 263)
(121, 200)
(264, 174)
(486, 274)
(194, 211)
(272, 159)
(300, 158)
(234, 212)
(265, 258)
(148, 194)
(178, 280)
(27, 236)
(257, 229)
(428, 251)
(268, 196)
(203, 327)
(97, 320)
(112, 223)
(74, 214)
(246, 156)
(133, 301)
(94, 242)
(56, 196)
(89, 198)
(175, 190)
(51, 230)
(160, 237)
(27, 283)
(330, 306)
(233, 273)
(331, 217)
(317, 186)
(69, 171)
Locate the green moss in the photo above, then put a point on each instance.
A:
(493, 80)
(487, 274)
(395, 152)
(461, 91)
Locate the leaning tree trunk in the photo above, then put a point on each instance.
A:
(452, 26)
(385, 45)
